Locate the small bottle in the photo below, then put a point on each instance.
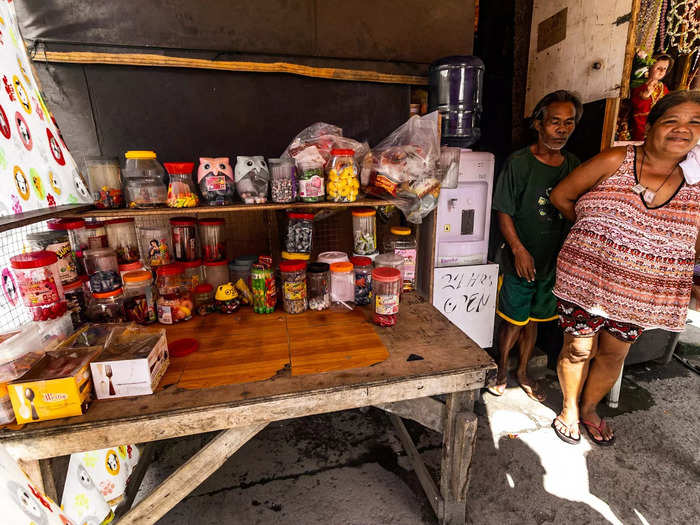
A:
(402, 242)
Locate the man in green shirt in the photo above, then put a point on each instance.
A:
(534, 231)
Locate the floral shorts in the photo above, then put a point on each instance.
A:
(577, 322)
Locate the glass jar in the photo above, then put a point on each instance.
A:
(211, 236)
(39, 284)
(140, 297)
(283, 180)
(144, 185)
(364, 231)
(363, 279)
(121, 235)
(96, 235)
(389, 260)
(342, 286)
(130, 267)
(216, 182)
(103, 270)
(56, 241)
(319, 291)
(332, 257)
(184, 238)
(294, 297)
(300, 229)
(155, 245)
(216, 273)
(238, 272)
(105, 181)
(107, 307)
(311, 185)
(174, 302)
(403, 243)
(75, 302)
(204, 299)
(387, 285)
(193, 273)
(181, 190)
(342, 182)
(264, 289)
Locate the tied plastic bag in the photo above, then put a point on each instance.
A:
(313, 145)
(404, 167)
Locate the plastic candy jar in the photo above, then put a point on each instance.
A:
(143, 186)
(155, 245)
(311, 186)
(294, 297)
(181, 191)
(121, 235)
(319, 286)
(39, 284)
(386, 284)
(216, 273)
(75, 301)
(76, 230)
(389, 260)
(300, 229)
(364, 231)
(264, 289)
(342, 286)
(216, 181)
(184, 238)
(96, 235)
(204, 299)
(342, 182)
(174, 302)
(284, 183)
(140, 297)
(105, 181)
(363, 279)
(194, 273)
(211, 236)
(403, 243)
(130, 267)
(102, 269)
(56, 241)
(332, 257)
(107, 307)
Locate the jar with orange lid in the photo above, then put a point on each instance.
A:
(364, 231)
(342, 286)
(402, 242)
(107, 307)
(140, 297)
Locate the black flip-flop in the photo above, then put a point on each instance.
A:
(564, 437)
(599, 428)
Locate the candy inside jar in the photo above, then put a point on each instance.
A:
(211, 235)
(364, 229)
(39, 284)
(121, 235)
(363, 279)
(294, 296)
(204, 299)
(105, 181)
(300, 228)
(342, 182)
(181, 191)
(174, 301)
(140, 297)
(319, 291)
(283, 180)
(102, 269)
(386, 284)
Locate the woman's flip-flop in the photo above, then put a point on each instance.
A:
(566, 439)
(599, 428)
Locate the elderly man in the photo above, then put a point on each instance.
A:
(534, 231)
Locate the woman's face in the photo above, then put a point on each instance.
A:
(677, 130)
(658, 69)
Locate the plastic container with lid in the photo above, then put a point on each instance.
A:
(102, 269)
(364, 231)
(184, 238)
(39, 282)
(216, 181)
(264, 289)
(75, 302)
(300, 229)
(174, 302)
(181, 188)
(310, 181)
(96, 235)
(342, 286)
(155, 245)
(342, 181)
(283, 180)
(386, 284)
(294, 296)
(144, 185)
(389, 260)
(193, 273)
(319, 292)
(402, 242)
(107, 307)
(135, 266)
(140, 297)
(332, 257)
(363, 279)
(76, 229)
(56, 241)
(211, 237)
(105, 181)
(216, 272)
(204, 299)
(121, 234)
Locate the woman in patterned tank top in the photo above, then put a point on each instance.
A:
(627, 263)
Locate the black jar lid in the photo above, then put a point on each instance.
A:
(318, 267)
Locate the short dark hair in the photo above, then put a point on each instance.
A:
(668, 58)
(556, 96)
(674, 98)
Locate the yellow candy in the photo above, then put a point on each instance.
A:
(333, 173)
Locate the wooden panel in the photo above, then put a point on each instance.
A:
(10, 222)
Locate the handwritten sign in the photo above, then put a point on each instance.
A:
(466, 295)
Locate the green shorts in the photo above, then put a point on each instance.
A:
(520, 301)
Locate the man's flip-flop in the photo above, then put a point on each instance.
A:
(599, 428)
(562, 436)
(494, 390)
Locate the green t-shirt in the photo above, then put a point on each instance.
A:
(522, 191)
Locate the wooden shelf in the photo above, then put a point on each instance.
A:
(11, 222)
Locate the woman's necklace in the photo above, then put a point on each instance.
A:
(640, 189)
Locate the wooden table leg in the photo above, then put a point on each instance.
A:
(33, 471)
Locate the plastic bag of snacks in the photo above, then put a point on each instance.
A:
(320, 138)
(404, 167)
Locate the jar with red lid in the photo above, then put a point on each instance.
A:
(181, 192)
(194, 273)
(386, 284)
(211, 236)
(56, 241)
(184, 238)
(342, 181)
(140, 297)
(174, 303)
(216, 273)
(96, 235)
(204, 299)
(135, 266)
(37, 277)
(121, 235)
(363, 279)
(294, 297)
(300, 229)
(107, 307)
(76, 229)
(155, 245)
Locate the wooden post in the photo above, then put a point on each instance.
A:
(612, 106)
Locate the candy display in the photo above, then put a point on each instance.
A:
(76, 230)
(364, 231)
(386, 291)
(215, 179)
(211, 236)
(244, 290)
(294, 297)
(318, 140)
(96, 235)
(204, 299)
(75, 302)
(342, 286)
(319, 286)
(300, 228)
(143, 184)
(283, 180)
(193, 273)
(174, 302)
(216, 272)
(39, 284)
(342, 182)
(155, 245)
(56, 241)
(184, 238)
(403, 243)
(332, 257)
(181, 188)
(363, 279)
(102, 269)
(105, 181)
(140, 297)
(107, 307)
(121, 234)
(252, 179)
(226, 299)
(311, 184)
(264, 289)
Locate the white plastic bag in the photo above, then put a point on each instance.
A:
(320, 138)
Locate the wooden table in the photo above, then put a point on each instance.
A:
(428, 356)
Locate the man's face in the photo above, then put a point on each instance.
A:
(557, 125)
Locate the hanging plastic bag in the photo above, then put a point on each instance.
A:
(316, 141)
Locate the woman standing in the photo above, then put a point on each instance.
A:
(627, 263)
(645, 96)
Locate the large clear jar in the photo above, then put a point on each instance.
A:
(264, 289)
(216, 272)
(211, 237)
(283, 180)
(310, 181)
(144, 185)
(402, 242)
(319, 291)
(105, 181)
(389, 260)
(193, 273)
(342, 286)
(155, 245)
(386, 284)
(39, 282)
(300, 230)
(332, 257)
(174, 302)
(107, 307)
(293, 277)
(140, 297)
(76, 230)
(342, 181)
(363, 279)
(96, 235)
(364, 231)
(103, 270)
(181, 189)
(75, 302)
(184, 238)
(56, 241)
(204, 299)
(121, 234)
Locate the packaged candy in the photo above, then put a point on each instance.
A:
(252, 179)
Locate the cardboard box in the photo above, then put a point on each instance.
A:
(132, 365)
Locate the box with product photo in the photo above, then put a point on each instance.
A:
(132, 365)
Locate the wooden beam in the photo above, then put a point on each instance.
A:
(190, 475)
(612, 106)
(427, 411)
(630, 49)
(147, 452)
(32, 469)
(10, 222)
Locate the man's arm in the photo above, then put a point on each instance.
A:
(524, 263)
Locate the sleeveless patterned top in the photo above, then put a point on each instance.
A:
(627, 262)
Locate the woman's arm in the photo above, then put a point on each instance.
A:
(583, 178)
